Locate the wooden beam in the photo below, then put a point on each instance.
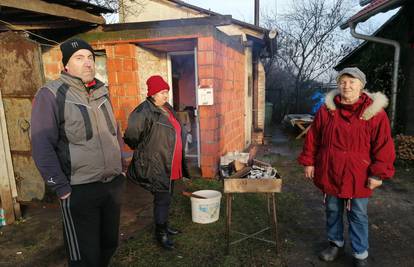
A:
(41, 25)
(6, 170)
(53, 9)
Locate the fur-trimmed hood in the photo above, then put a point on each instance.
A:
(379, 102)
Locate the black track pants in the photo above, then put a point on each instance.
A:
(91, 222)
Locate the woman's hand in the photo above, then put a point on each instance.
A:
(373, 183)
(309, 172)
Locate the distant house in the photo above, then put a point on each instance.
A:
(376, 59)
(211, 61)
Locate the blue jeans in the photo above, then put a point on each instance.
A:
(358, 223)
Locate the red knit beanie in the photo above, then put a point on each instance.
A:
(156, 84)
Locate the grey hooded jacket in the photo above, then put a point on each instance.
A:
(74, 134)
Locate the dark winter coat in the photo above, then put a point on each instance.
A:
(152, 137)
(74, 134)
(347, 150)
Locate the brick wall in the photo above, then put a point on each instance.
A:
(122, 69)
(222, 124)
(52, 63)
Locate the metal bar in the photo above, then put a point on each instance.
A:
(228, 217)
(275, 224)
(249, 236)
(253, 236)
(396, 65)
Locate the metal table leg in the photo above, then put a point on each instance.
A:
(275, 224)
(228, 224)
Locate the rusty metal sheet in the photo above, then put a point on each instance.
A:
(21, 74)
(18, 112)
(21, 70)
(30, 184)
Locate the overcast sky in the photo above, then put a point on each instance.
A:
(244, 9)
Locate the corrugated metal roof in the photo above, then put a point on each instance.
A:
(370, 7)
(375, 7)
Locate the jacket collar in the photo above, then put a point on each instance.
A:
(379, 102)
(99, 91)
(154, 108)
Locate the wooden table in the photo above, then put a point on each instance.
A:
(246, 185)
(304, 126)
(302, 121)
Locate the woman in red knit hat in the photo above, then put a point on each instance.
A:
(155, 135)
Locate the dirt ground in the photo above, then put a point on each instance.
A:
(36, 240)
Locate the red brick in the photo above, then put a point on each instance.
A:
(209, 149)
(205, 43)
(208, 112)
(205, 71)
(123, 50)
(126, 77)
(112, 79)
(120, 114)
(52, 69)
(118, 64)
(206, 82)
(109, 51)
(128, 64)
(209, 136)
(228, 85)
(208, 123)
(131, 90)
(205, 58)
(208, 172)
(128, 102)
(209, 160)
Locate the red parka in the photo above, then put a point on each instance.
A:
(349, 143)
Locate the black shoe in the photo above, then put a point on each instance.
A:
(331, 253)
(161, 234)
(172, 231)
(361, 263)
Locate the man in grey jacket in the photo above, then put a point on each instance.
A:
(76, 147)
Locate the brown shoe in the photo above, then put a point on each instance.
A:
(331, 253)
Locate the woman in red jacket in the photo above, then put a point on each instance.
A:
(347, 153)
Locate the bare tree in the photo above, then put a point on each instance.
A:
(310, 42)
(120, 8)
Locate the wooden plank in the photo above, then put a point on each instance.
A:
(53, 9)
(247, 185)
(6, 169)
(41, 25)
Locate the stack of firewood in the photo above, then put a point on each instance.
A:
(405, 147)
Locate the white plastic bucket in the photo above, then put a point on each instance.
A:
(205, 210)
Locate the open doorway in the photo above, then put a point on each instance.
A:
(184, 100)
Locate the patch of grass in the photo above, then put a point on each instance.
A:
(205, 244)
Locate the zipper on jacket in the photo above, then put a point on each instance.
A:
(99, 136)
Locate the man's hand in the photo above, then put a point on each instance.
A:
(65, 196)
(309, 172)
(373, 183)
